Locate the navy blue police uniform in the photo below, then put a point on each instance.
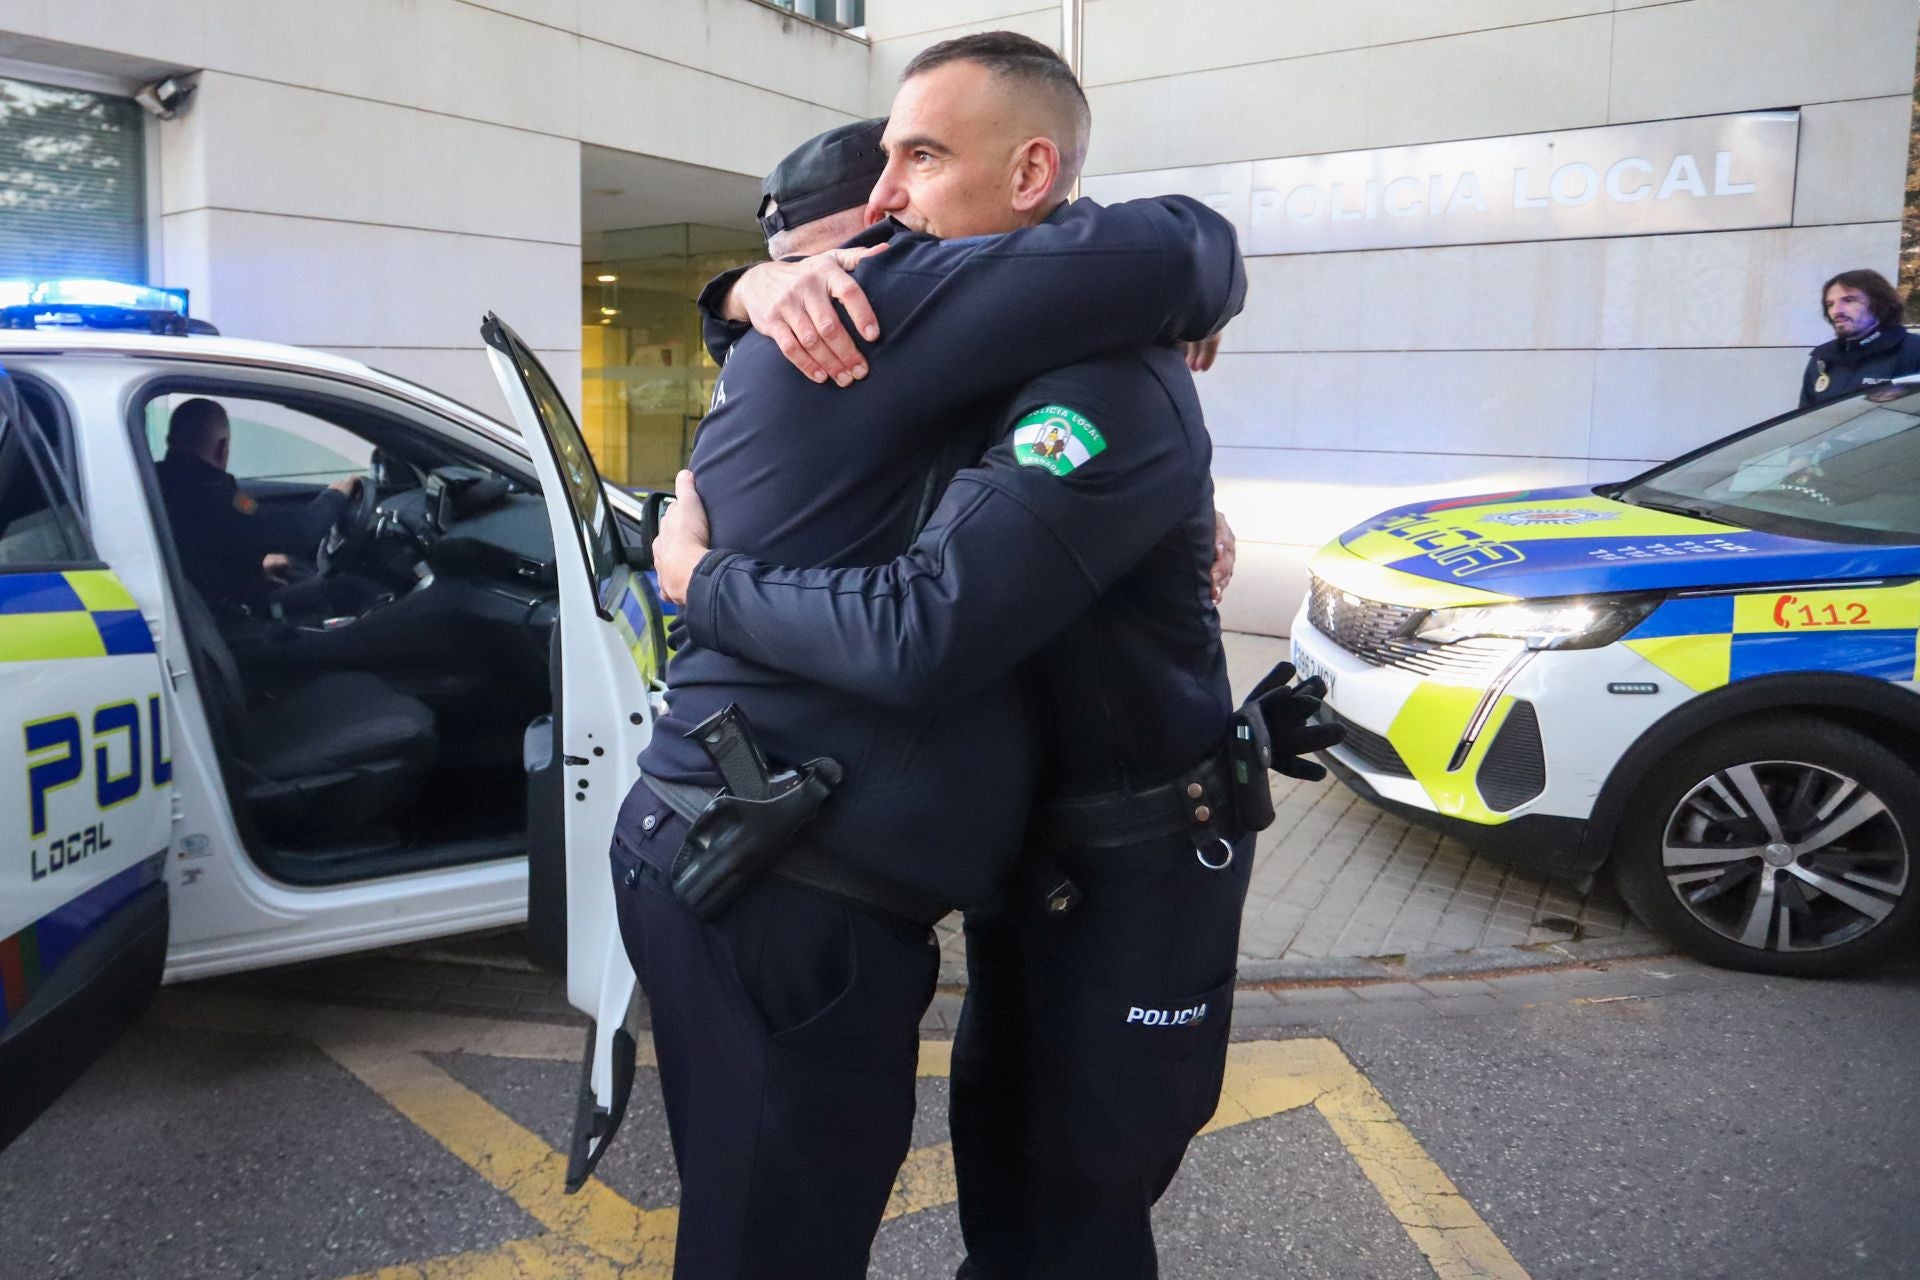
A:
(1094, 1034)
(223, 536)
(787, 1026)
(1842, 366)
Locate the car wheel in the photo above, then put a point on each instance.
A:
(1783, 846)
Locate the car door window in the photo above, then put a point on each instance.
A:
(37, 521)
(272, 442)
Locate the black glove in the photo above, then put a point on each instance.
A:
(1290, 711)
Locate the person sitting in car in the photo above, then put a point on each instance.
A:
(236, 556)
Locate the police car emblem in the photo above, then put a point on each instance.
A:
(1549, 515)
(1056, 438)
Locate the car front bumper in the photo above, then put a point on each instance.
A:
(1505, 748)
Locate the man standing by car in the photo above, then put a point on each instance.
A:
(1869, 343)
(786, 1017)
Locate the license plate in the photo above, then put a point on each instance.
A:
(1307, 666)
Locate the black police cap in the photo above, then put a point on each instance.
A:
(823, 175)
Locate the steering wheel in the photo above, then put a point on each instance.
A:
(348, 537)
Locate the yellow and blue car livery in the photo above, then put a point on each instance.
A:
(85, 772)
(1510, 666)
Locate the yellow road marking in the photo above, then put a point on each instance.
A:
(925, 1181)
(515, 1160)
(599, 1235)
(540, 1258)
(1457, 1243)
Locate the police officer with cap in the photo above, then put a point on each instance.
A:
(1100, 981)
(816, 198)
(779, 866)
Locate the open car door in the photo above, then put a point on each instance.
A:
(85, 788)
(607, 640)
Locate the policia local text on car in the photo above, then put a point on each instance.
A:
(965, 811)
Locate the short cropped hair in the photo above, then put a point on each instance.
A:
(1010, 55)
(1882, 297)
(192, 423)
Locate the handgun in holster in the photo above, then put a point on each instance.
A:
(749, 825)
(1289, 711)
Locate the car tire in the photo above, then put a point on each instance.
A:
(1804, 803)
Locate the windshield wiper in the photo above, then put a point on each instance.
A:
(1679, 509)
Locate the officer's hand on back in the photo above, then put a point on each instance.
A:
(1224, 546)
(682, 540)
(792, 303)
(1200, 354)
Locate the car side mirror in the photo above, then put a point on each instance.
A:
(652, 508)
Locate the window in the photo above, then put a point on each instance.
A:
(37, 524)
(72, 184)
(831, 13)
(272, 442)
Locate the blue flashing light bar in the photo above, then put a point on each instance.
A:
(95, 304)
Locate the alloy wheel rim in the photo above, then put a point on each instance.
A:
(1782, 855)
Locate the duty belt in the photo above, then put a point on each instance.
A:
(804, 864)
(1197, 802)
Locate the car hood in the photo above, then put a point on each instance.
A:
(1562, 542)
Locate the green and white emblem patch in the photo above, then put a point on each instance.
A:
(1057, 438)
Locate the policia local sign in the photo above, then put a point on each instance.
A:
(1710, 173)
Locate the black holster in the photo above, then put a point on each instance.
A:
(1249, 756)
(749, 825)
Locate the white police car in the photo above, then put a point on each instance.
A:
(1705, 676)
(411, 753)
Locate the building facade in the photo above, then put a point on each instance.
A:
(369, 176)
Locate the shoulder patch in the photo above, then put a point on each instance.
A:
(243, 504)
(1056, 438)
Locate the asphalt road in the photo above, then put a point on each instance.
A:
(1654, 1120)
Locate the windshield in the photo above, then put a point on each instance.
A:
(1845, 472)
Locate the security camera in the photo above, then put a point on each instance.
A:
(163, 99)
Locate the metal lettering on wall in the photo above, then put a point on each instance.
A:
(1712, 173)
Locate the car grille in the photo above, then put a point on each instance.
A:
(1382, 634)
(1359, 626)
(1367, 746)
(1515, 768)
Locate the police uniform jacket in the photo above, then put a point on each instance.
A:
(1888, 352)
(1099, 551)
(799, 473)
(223, 535)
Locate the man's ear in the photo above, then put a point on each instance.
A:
(1036, 167)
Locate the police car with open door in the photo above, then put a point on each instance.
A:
(1706, 678)
(190, 788)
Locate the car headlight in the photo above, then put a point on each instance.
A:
(1577, 622)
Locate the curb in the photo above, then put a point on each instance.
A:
(1450, 964)
(499, 951)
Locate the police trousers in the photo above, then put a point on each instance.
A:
(787, 1031)
(1090, 1051)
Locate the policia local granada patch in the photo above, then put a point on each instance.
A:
(1056, 438)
